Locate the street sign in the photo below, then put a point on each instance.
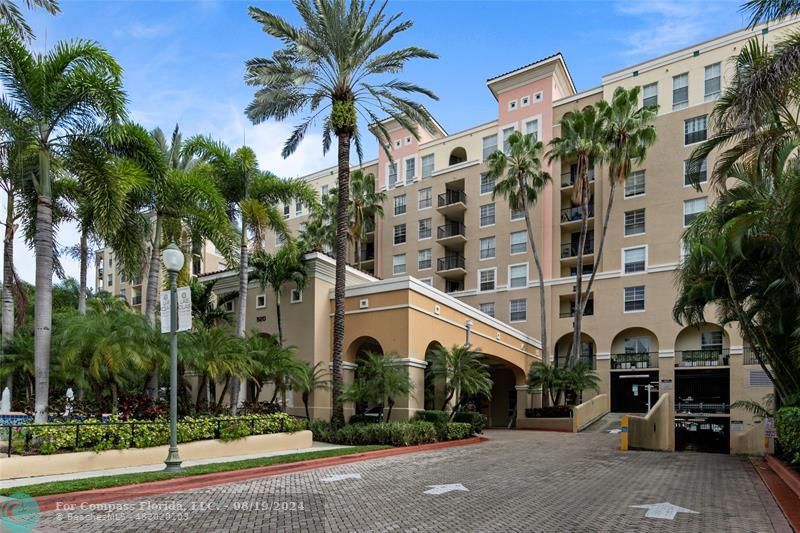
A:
(184, 310)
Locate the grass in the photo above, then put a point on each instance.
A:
(62, 487)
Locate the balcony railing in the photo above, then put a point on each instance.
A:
(450, 262)
(589, 311)
(136, 300)
(451, 229)
(624, 361)
(561, 360)
(571, 249)
(696, 408)
(749, 357)
(451, 197)
(705, 357)
(568, 178)
(571, 214)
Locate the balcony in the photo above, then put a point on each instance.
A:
(627, 361)
(589, 311)
(697, 408)
(572, 215)
(452, 203)
(451, 266)
(703, 357)
(560, 361)
(136, 300)
(568, 179)
(571, 249)
(749, 356)
(452, 234)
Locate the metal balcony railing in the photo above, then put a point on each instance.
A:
(634, 360)
(704, 357)
(589, 311)
(571, 249)
(568, 178)
(451, 196)
(694, 407)
(450, 262)
(136, 300)
(749, 356)
(451, 229)
(571, 214)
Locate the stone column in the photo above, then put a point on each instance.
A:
(404, 408)
(524, 399)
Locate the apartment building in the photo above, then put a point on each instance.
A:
(442, 226)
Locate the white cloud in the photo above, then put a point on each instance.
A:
(137, 30)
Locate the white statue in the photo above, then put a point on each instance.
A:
(5, 401)
(68, 404)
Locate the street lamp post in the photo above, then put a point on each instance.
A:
(173, 261)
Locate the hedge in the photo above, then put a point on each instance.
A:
(389, 433)
(787, 426)
(476, 420)
(98, 436)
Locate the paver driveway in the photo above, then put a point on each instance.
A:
(518, 481)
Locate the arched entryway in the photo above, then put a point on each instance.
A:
(563, 348)
(634, 379)
(501, 407)
(434, 392)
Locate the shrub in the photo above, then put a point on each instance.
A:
(436, 417)
(363, 419)
(787, 426)
(476, 420)
(458, 430)
(408, 433)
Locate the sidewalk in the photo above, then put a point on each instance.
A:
(20, 482)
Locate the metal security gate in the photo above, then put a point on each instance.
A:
(629, 391)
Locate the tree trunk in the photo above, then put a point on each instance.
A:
(200, 390)
(305, 404)
(241, 319)
(278, 313)
(576, 334)
(43, 321)
(337, 414)
(599, 250)
(224, 390)
(114, 398)
(390, 403)
(84, 257)
(540, 272)
(153, 276)
(357, 254)
(8, 279)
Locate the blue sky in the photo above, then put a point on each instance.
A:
(183, 61)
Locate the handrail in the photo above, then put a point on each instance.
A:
(451, 196)
(634, 360)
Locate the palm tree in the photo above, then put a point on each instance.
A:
(462, 372)
(207, 308)
(308, 379)
(549, 378)
(580, 378)
(630, 132)
(251, 196)
(272, 363)
(336, 64)
(766, 10)
(60, 95)
(583, 140)
(379, 380)
(11, 16)
(216, 355)
(286, 265)
(521, 181)
(366, 205)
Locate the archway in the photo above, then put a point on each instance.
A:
(359, 348)
(563, 348)
(705, 344)
(357, 354)
(501, 407)
(457, 155)
(433, 394)
(635, 347)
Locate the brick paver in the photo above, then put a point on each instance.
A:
(518, 481)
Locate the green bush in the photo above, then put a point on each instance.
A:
(458, 430)
(476, 420)
(787, 426)
(407, 433)
(436, 417)
(363, 419)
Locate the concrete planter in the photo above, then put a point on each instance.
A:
(69, 463)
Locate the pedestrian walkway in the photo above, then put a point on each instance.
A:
(21, 482)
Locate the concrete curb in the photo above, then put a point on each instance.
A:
(785, 472)
(783, 494)
(49, 503)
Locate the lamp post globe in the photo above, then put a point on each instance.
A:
(172, 256)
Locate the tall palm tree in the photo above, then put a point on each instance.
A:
(379, 380)
(272, 363)
(630, 132)
(521, 182)
(12, 17)
(366, 205)
(334, 68)
(286, 265)
(583, 140)
(208, 308)
(61, 94)
(309, 379)
(217, 356)
(766, 10)
(463, 373)
(250, 195)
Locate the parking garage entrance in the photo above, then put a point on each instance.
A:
(629, 391)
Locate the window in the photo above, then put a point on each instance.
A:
(286, 211)
(636, 344)
(695, 130)
(411, 169)
(295, 296)
(518, 310)
(122, 293)
(712, 82)
(487, 308)
(634, 222)
(517, 214)
(680, 91)
(399, 264)
(634, 259)
(685, 248)
(400, 234)
(324, 190)
(486, 279)
(694, 173)
(261, 301)
(400, 205)
(634, 298)
(111, 280)
(711, 340)
(650, 95)
(424, 229)
(487, 215)
(229, 306)
(634, 185)
(489, 146)
(298, 207)
(537, 97)
(427, 166)
(427, 281)
(487, 247)
(518, 276)
(532, 127)
(487, 183)
(424, 259)
(692, 208)
(392, 174)
(506, 134)
(425, 198)
(519, 243)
